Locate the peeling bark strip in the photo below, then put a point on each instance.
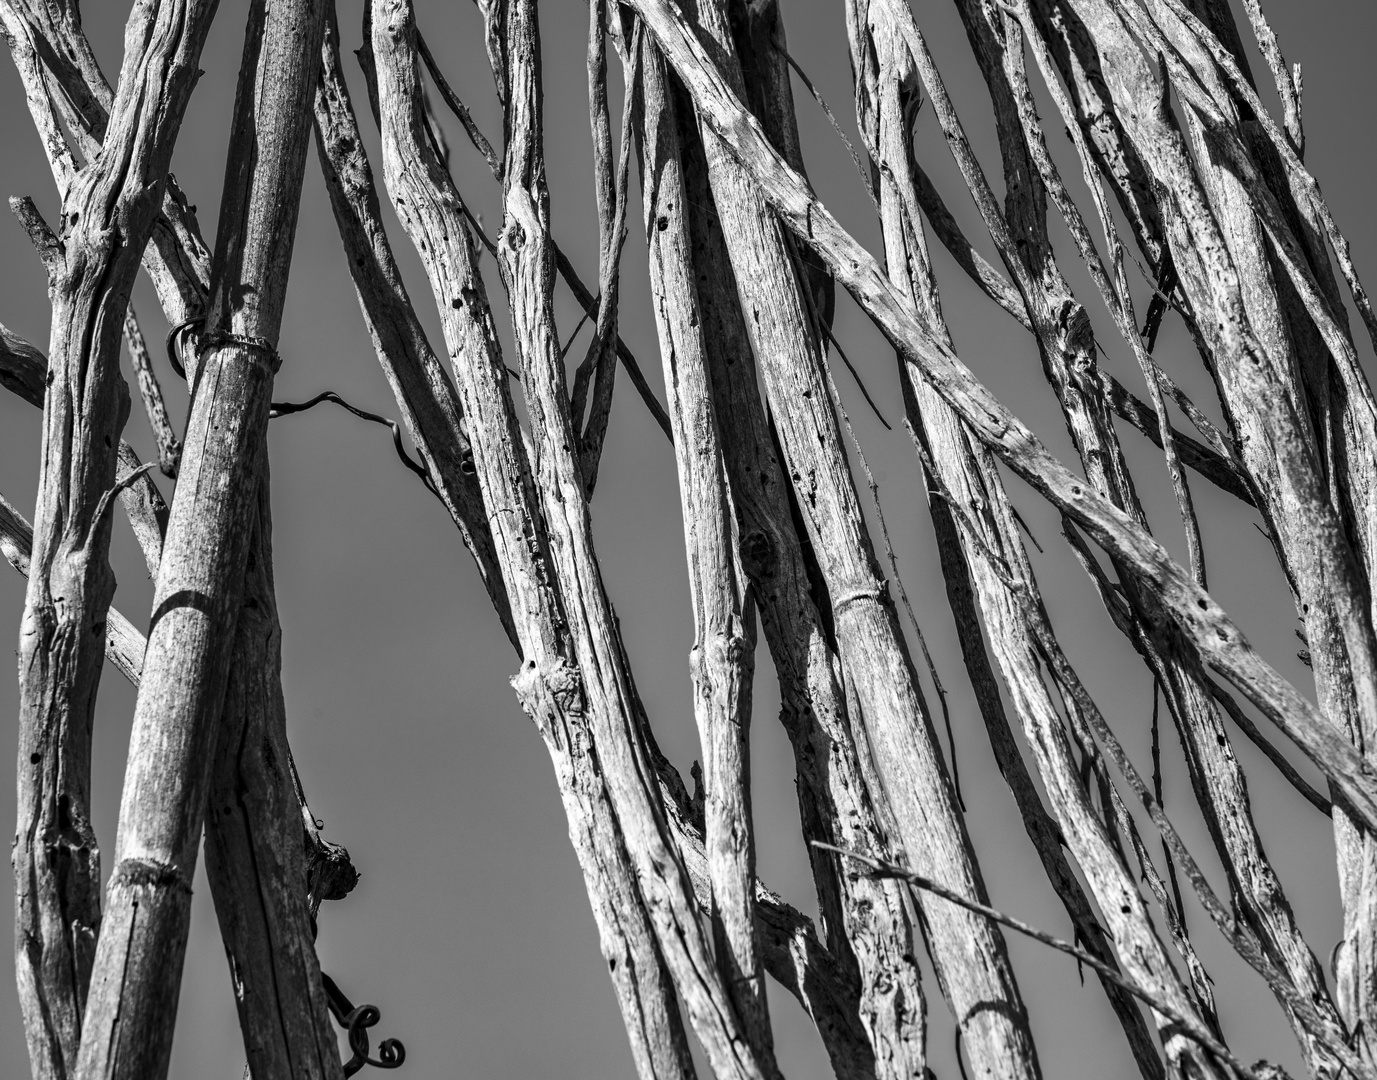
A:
(1220, 641)
(138, 960)
(108, 211)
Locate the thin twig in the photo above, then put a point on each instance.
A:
(459, 109)
(169, 446)
(1275, 756)
(831, 119)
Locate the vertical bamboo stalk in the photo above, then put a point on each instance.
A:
(548, 685)
(525, 255)
(970, 955)
(866, 922)
(108, 212)
(255, 855)
(884, 76)
(139, 959)
(723, 657)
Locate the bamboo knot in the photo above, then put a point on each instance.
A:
(261, 349)
(878, 596)
(146, 874)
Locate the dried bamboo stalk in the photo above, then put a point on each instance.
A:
(884, 71)
(970, 956)
(548, 684)
(525, 257)
(867, 925)
(169, 446)
(138, 962)
(1220, 641)
(722, 661)
(256, 862)
(108, 212)
(63, 77)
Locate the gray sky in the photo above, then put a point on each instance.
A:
(470, 928)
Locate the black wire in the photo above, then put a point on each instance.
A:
(287, 408)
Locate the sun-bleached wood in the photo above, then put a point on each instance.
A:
(138, 960)
(547, 685)
(1221, 642)
(108, 211)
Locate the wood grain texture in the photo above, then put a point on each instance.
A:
(969, 954)
(1221, 642)
(548, 684)
(108, 212)
(200, 585)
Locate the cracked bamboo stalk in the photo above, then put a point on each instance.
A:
(108, 211)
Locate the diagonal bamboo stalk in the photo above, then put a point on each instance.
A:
(1220, 641)
(548, 685)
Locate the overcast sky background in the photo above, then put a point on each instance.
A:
(470, 927)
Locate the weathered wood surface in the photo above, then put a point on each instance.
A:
(109, 206)
(196, 601)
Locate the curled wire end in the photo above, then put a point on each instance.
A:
(356, 1020)
(391, 1052)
